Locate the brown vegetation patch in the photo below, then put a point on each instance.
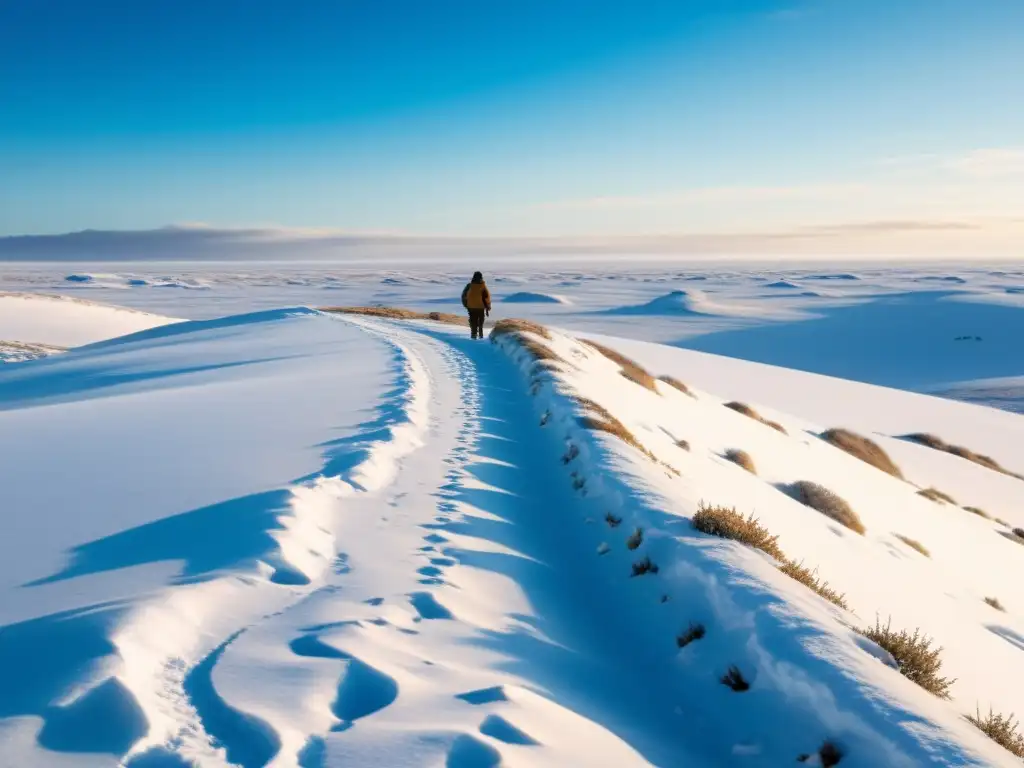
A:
(994, 602)
(977, 511)
(936, 495)
(830, 504)
(684, 444)
(828, 755)
(693, 632)
(644, 566)
(628, 368)
(517, 325)
(749, 412)
(938, 444)
(730, 524)
(613, 521)
(733, 678)
(677, 384)
(914, 655)
(1002, 729)
(913, 544)
(602, 421)
(741, 459)
(809, 578)
(397, 313)
(862, 448)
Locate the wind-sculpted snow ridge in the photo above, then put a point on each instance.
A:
(766, 669)
(111, 652)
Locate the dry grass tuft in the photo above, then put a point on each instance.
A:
(517, 325)
(735, 680)
(938, 444)
(828, 755)
(684, 444)
(913, 544)
(1002, 729)
(937, 496)
(602, 421)
(977, 511)
(915, 657)
(994, 602)
(830, 504)
(693, 632)
(644, 566)
(809, 578)
(1019, 533)
(629, 368)
(749, 412)
(677, 384)
(636, 538)
(730, 524)
(397, 313)
(862, 448)
(741, 459)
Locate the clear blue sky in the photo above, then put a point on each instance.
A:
(508, 116)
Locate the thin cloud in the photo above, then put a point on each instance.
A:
(993, 163)
(702, 195)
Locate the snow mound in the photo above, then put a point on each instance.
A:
(62, 321)
(833, 276)
(782, 284)
(689, 302)
(528, 297)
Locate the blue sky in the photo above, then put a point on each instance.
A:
(532, 117)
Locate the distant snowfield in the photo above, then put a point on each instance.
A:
(293, 539)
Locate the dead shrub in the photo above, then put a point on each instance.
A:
(628, 368)
(644, 566)
(730, 524)
(612, 520)
(913, 544)
(1002, 729)
(977, 511)
(602, 421)
(741, 459)
(733, 678)
(828, 755)
(994, 602)
(914, 655)
(1019, 533)
(809, 578)
(520, 326)
(636, 538)
(693, 632)
(684, 444)
(677, 384)
(937, 496)
(830, 504)
(776, 426)
(862, 448)
(749, 412)
(938, 444)
(397, 313)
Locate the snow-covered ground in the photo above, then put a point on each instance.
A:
(291, 538)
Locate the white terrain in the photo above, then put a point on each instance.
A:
(289, 537)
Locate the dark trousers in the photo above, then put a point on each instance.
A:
(476, 323)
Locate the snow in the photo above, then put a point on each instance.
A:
(66, 322)
(283, 537)
(528, 297)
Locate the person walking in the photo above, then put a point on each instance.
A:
(477, 299)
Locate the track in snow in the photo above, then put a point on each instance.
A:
(463, 623)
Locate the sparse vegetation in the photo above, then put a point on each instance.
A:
(994, 602)
(644, 566)
(601, 420)
(937, 496)
(809, 578)
(730, 524)
(733, 678)
(977, 511)
(693, 632)
(741, 459)
(828, 755)
(830, 504)
(396, 313)
(749, 412)
(684, 444)
(913, 544)
(677, 384)
(517, 325)
(629, 368)
(917, 660)
(938, 444)
(862, 448)
(1019, 533)
(612, 520)
(1002, 729)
